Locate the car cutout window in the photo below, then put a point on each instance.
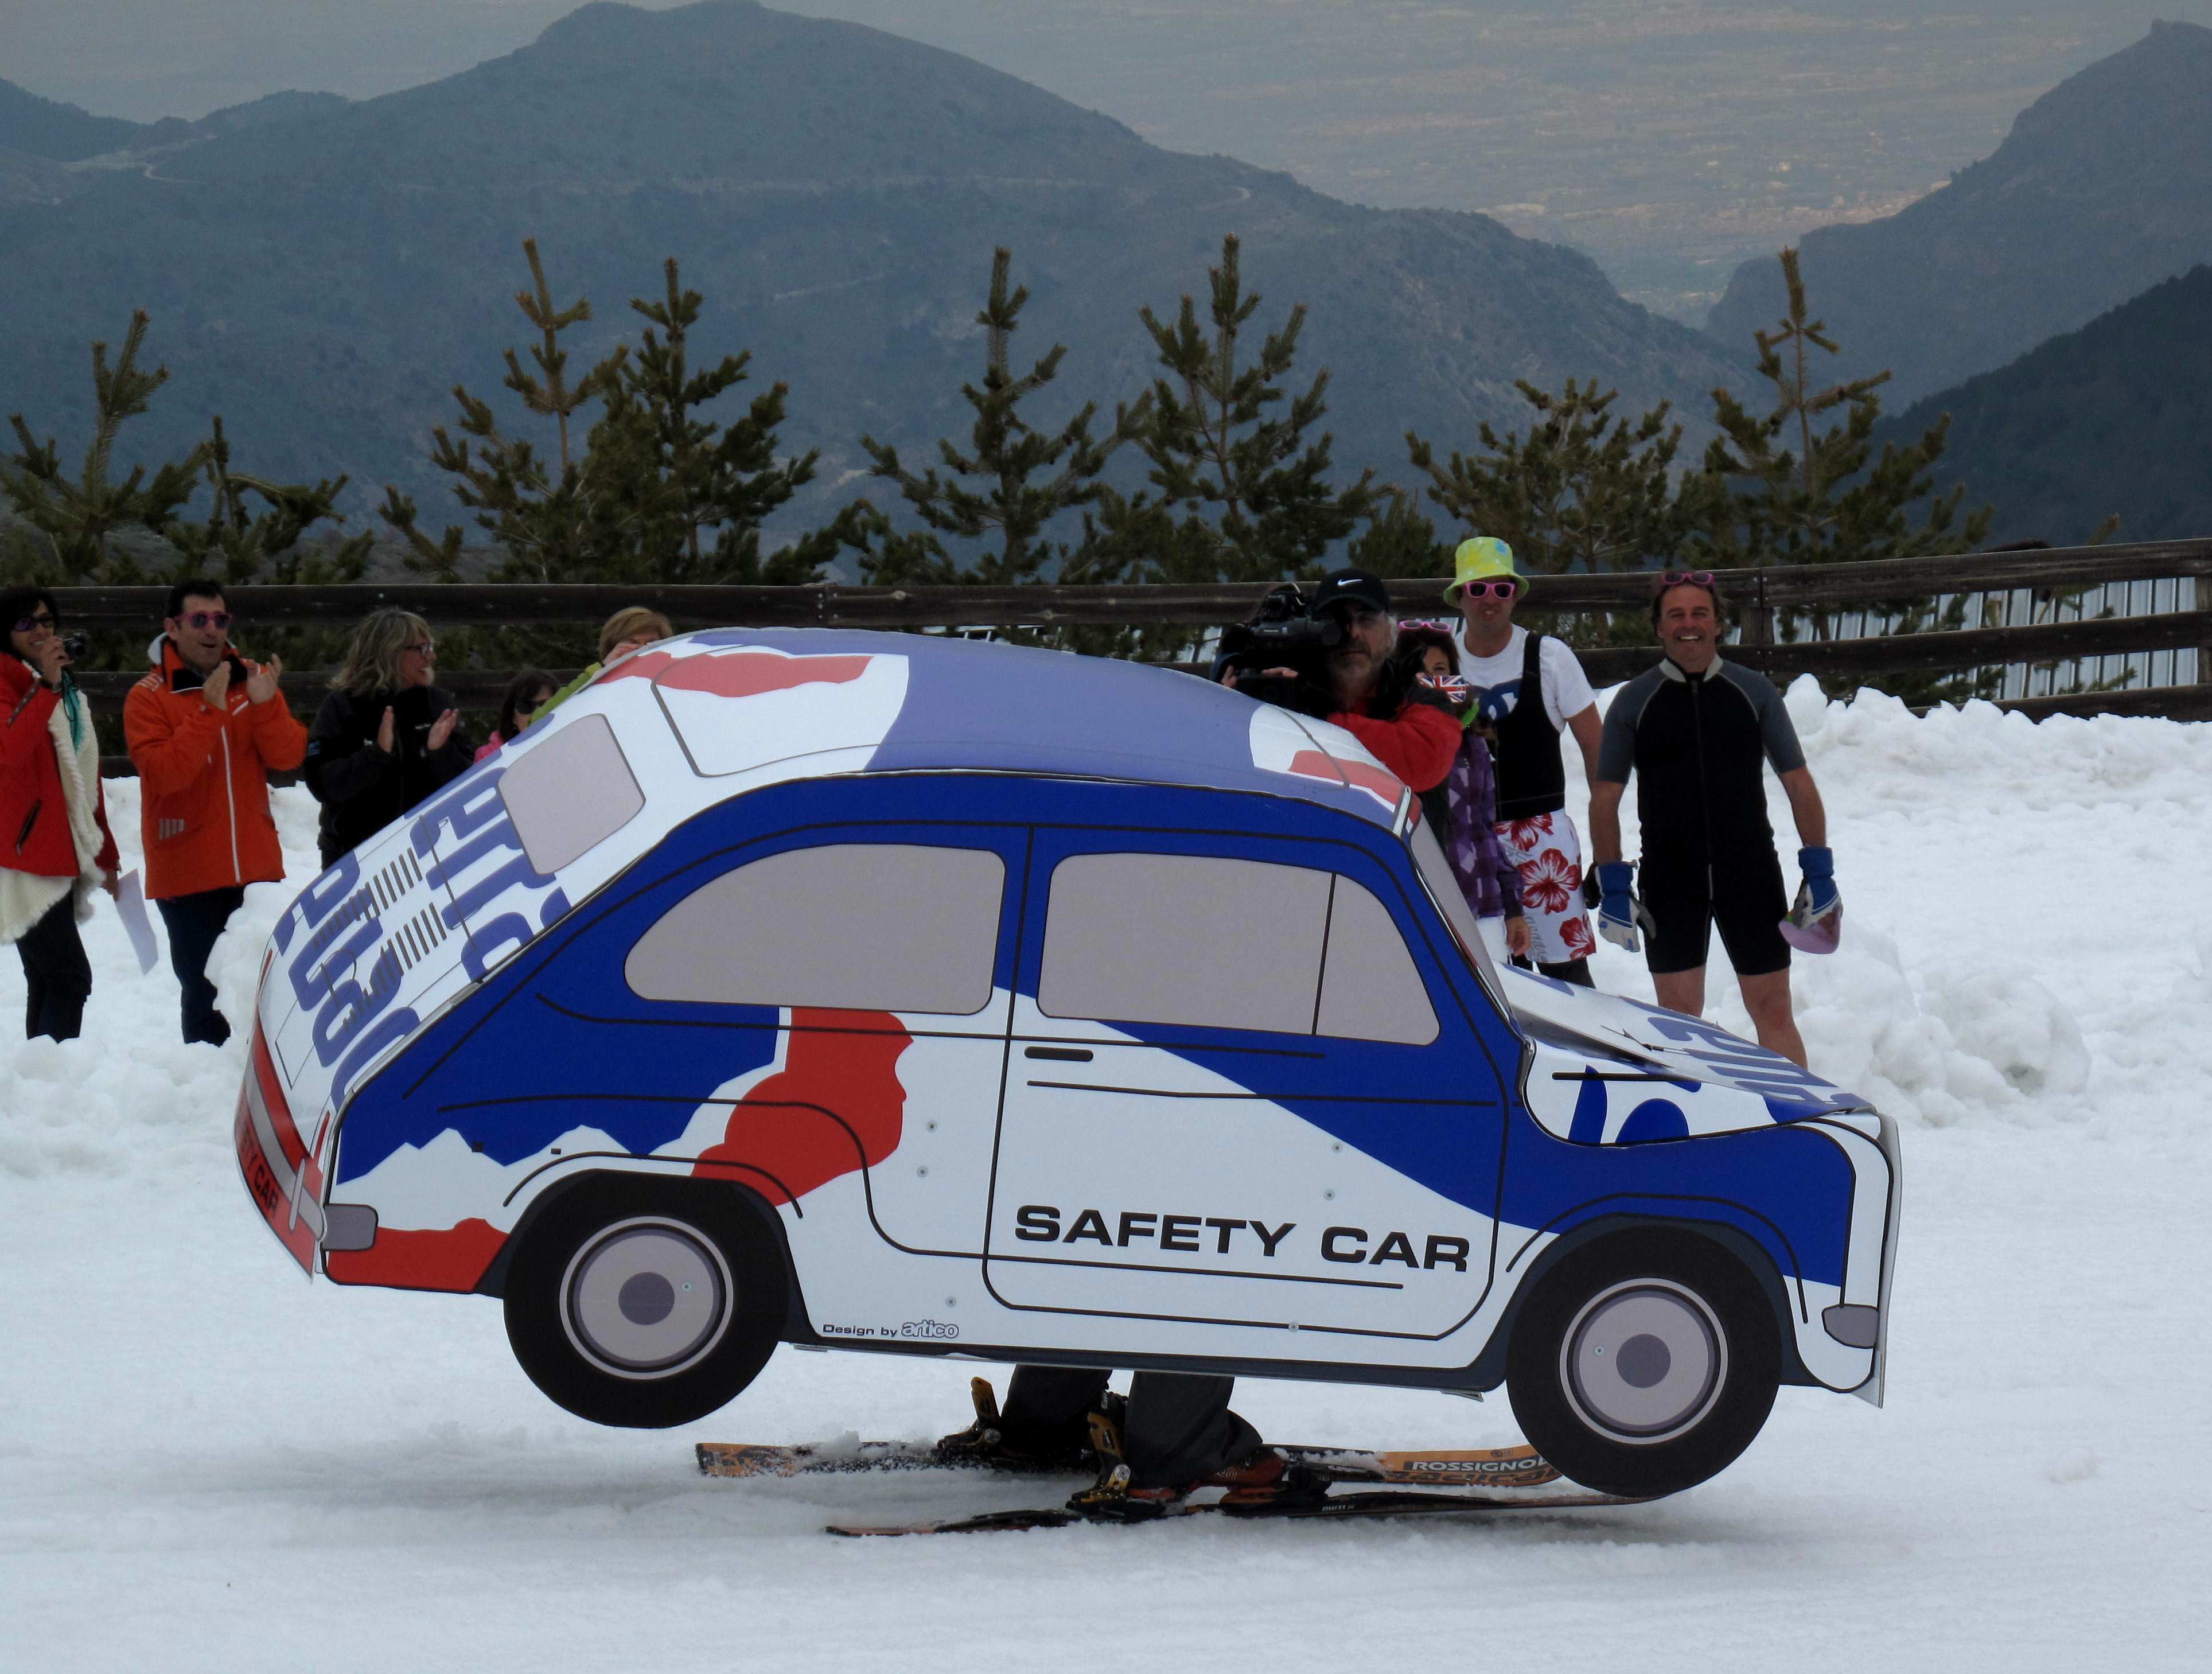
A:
(541, 788)
(849, 926)
(1370, 989)
(1210, 941)
(1198, 940)
(1443, 890)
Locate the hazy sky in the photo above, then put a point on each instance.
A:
(147, 59)
(1670, 139)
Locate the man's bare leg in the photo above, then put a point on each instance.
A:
(1767, 999)
(1682, 991)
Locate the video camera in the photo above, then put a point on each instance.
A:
(1281, 634)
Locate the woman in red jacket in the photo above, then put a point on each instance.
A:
(55, 847)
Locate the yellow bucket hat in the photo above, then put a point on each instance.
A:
(1484, 558)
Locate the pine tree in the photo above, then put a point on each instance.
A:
(1399, 539)
(532, 507)
(238, 545)
(67, 528)
(1002, 521)
(1584, 489)
(1777, 488)
(66, 533)
(73, 521)
(1238, 493)
(684, 497)
(660, 492)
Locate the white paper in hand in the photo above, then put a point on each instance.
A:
(131, 907)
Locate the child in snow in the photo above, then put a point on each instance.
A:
(1463, 812)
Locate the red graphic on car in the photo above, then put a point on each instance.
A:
(737, 673)
(837, 1105)
(1377, 782)
(453, 1258)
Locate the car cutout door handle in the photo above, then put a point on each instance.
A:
(1064, 1054)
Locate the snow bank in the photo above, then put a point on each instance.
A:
(131, 1095)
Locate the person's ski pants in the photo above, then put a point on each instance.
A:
(57, 976)
(194, 921)
(1177, 1431)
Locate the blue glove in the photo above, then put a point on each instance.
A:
(1818, 868)
(1617, 911)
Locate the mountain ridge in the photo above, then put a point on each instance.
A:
(834, 191)
(47, 128)
(2116, 417)
(2102, 188)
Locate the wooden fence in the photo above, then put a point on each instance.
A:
(1758, 598)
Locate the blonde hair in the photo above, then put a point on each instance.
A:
(372, 660)
(635, 623)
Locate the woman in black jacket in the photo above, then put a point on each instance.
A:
(387, 737)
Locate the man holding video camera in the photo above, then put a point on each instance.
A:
(1339, 666)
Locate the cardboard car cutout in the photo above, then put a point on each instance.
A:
(924, 996)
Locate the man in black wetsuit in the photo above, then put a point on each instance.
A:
(1696, 730)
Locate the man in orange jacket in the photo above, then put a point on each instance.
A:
(203, 728)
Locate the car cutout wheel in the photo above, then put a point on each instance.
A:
(645, 1302)
(646, 1298)
(1645, 1363)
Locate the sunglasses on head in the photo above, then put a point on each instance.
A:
(43, 620)
(1434, 624)
(203, 619)
(1696, 578)
(1504, 589)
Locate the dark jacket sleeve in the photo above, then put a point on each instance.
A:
(341, 765)
(458, 754)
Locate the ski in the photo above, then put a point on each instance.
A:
(1337, 1507)
(1518, 1467)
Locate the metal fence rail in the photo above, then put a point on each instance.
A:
(2164, 648)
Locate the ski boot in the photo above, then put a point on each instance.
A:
(985, 1442)
(1265, 1481)
(1260, 1481)
(1111, 1498)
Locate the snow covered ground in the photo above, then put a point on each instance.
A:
(207, 1462)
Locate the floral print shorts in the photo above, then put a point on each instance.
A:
(1547, 852)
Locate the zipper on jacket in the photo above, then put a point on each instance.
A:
(230, 795)
(1704, 786)
(29, 820)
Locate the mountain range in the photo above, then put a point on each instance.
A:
(2114, 417)
(322, 271)
(2102, 189)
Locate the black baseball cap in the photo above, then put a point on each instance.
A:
(1349, 586)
